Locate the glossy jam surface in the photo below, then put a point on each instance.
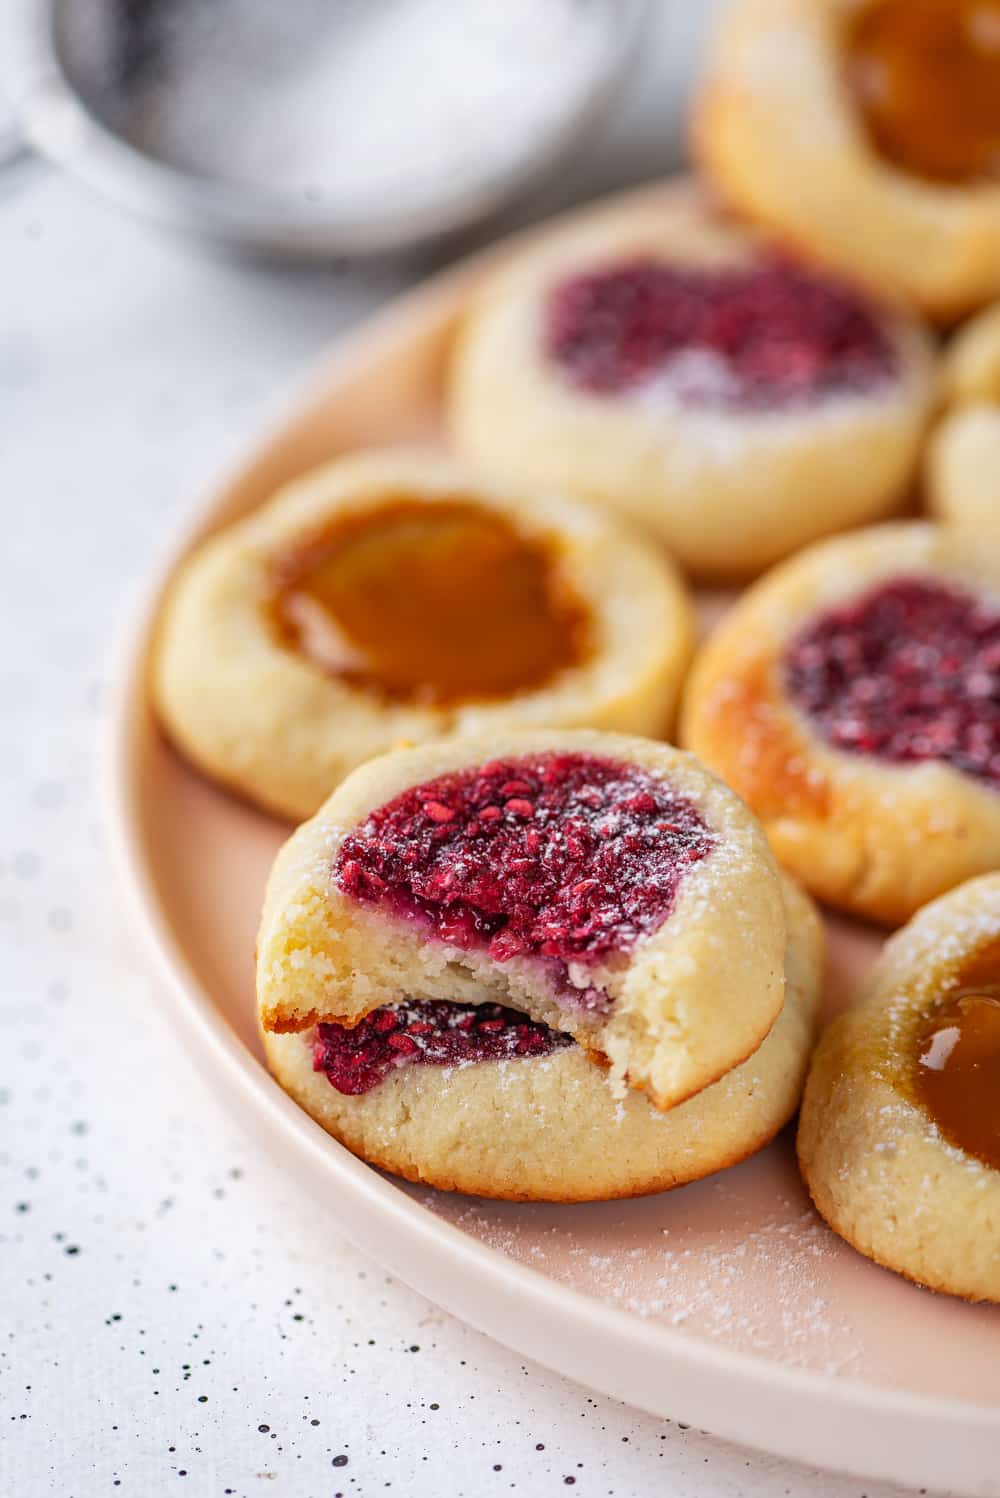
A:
(908, 671)
(430, 1033)
(565, 857)
(958, 1071)
(749, 337)
(431, 603)
(925, 75)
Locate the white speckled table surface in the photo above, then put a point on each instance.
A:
(174, 1315)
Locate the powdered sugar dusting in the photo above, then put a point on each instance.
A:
(706, 1261)
(909, 672)
(568, 858)
(756, 338)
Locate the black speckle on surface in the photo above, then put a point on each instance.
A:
(340, 1461)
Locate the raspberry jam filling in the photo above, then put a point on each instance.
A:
(925, 76)
(430, 602)
(958, 1071)
(567, 858)
(765, 336)
(910, 671)
(430, 1033)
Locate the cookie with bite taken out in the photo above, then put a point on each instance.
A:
(606, 886)
(480, 1098)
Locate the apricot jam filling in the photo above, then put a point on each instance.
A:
(427, 1032)
(957, 1073)
(925, 77)
(907, 672)
(433, 603)
(751, 337)
(566, 858)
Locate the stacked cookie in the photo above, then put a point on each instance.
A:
(545, 965)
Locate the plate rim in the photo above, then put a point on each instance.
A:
(878, 1431)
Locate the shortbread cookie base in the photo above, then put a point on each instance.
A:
(551, 1128)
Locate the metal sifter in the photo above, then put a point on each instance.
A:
(312, 126)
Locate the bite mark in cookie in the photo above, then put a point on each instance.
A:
(605, 886)
(570, 858)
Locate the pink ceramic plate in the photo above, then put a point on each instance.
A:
(728, 1304)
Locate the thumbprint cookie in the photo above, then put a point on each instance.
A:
(963, 458)
(676, 368)
(480, 1098)
(970, 369)
(852, 698)
(398, 597)
(963, 467)
(866, 132)
(605, 886)
(899, 1137)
